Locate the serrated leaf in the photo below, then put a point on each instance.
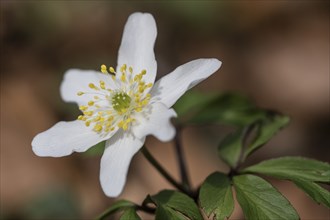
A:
(229, 109)
(163, 212)
(179, 204)
(230, 148)
(116, 206)
(292, 168)
(260, 200)
(266, 130)
(216, 196)
(130, 214)
(315, 191)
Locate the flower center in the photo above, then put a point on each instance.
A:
(114, 107)
(121, 102)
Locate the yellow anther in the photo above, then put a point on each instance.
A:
(138, 109)
(87, 123)
(143, 72)
(100, 113)
(98, 128)
(130, 69)
(141, 89)
(93, 86)
(148, 96)
(123, 67)
(120, 124)
(145, 102)
(123, 78)
(104, 69)
(90, 103)
(80, 117)
(110, 118)
(83, 107)
(138, 78)
(102, 84)
(80, 93)
(108, 124)
(112, 70)
(90, 113)
(149, 85)
(97, 118)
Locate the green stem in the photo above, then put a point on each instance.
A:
(162, 171)
(181, 159)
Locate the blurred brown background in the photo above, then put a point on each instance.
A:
(276, 52)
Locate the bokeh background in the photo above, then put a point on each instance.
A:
(275, 52)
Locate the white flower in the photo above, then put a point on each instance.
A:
(122, 106)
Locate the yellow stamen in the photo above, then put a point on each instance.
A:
(93, 86)
(112, 70)
(98, 128)
(83, 107)
(102, 84)
(104, 69)
(123, 78)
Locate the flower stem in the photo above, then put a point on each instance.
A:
(181, 160)
(162, 171)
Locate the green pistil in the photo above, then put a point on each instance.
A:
(121, 102)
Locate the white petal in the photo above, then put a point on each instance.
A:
(172, 86)
(115, 161)
(156, 121)
(137, 45)
(76, 80)
(64, 138)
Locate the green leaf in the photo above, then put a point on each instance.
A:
(96, 150)
(216, 196)
(116, 207)
(260, 200)
(233, 109)
(229, 109)
(191, 102)
(173, 203)
(130, 214)
(315, 191)
(266, 130)
(230, 148)
(293, 168)
(164, 212)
